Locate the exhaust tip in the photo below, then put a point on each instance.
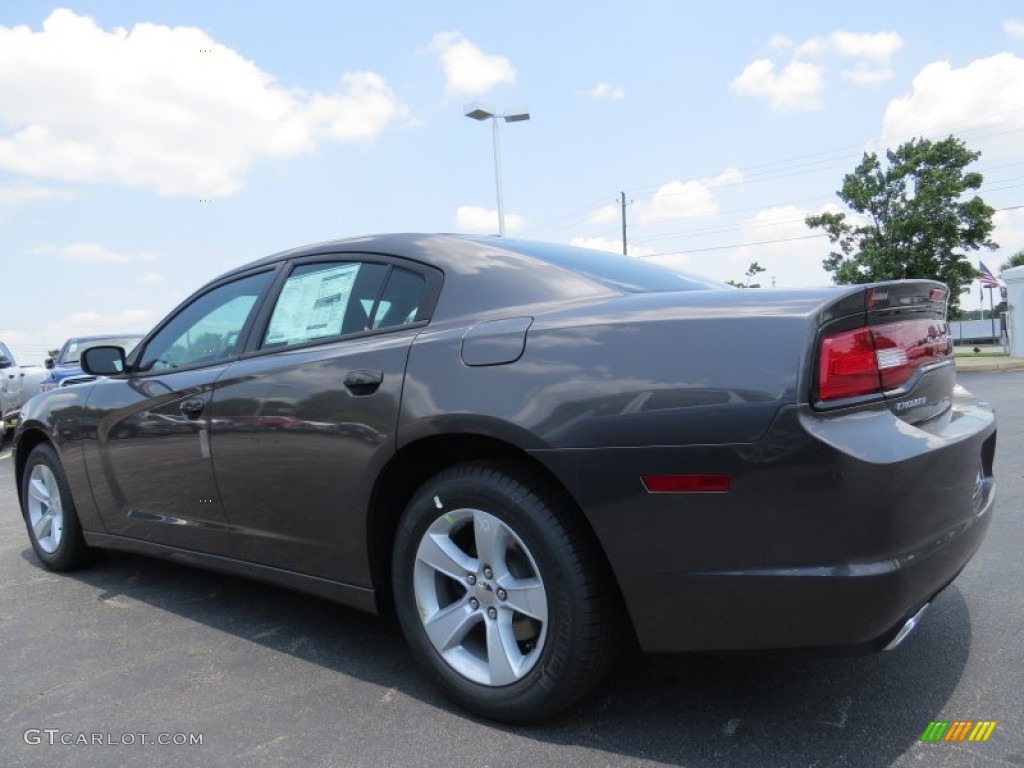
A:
(906, 629)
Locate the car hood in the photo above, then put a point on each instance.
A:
(63, 370)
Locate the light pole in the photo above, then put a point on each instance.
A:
(480, 112)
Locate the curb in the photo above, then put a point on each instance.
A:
(986, 366)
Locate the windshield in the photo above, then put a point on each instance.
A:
(73, 348)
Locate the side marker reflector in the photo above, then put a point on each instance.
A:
(686, 483)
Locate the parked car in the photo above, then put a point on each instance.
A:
(17, 384)
(65, 368)
(535, 449)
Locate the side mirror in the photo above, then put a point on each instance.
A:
(103, 361)
(5, 362)
(49, 363)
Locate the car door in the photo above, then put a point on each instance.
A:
(150, 463)
(303, 424)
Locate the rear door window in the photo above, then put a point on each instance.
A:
(402, 299)
(321, 301)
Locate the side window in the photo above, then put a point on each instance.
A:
(320, 301)
(401, 300)
(206, 330)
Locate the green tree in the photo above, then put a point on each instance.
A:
(915, 217)
(752, 271)
(1017, 260)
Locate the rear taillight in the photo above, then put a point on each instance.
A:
(879, 358)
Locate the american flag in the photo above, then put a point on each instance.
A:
(987, 278)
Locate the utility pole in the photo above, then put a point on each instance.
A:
(623, 196)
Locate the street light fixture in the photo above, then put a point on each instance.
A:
(481, 112)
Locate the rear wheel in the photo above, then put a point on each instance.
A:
(49, 513)
(500, 593)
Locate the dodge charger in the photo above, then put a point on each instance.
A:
(528, 453)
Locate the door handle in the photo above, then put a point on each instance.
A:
(193, 406)
(363, 382)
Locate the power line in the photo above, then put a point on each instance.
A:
(772, 242)
(802, 164)
(736, 245)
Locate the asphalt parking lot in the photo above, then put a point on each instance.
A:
(266, 677)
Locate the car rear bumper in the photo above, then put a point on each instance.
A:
(833, 533)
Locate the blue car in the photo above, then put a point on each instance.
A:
(65, 369)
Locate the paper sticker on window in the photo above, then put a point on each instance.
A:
(312, 305)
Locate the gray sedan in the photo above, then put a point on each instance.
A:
(530, 452)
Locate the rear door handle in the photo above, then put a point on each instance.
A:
(193, 406)
(363, 382)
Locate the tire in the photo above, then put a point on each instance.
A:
(50, 515)
(501, 594)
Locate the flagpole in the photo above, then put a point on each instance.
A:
(991, 312)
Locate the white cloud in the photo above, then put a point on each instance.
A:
(95, 253)
(85, 318)
(92, 252)
(679, 200)
(362, 109)
(611, 245)
(160, 107)
(815, 46)
(779, 241)
(682, 261)
(693, 199)
(14, 194)
(603, 215)
(944, 100)
(89, 252)
(726, 178)
(30, 346)
(467, 69)
(799, 85)
(863, 75)
(92, 322)
(785, 247)
(1014, 28)
(796, 87)
(474, 218)
(149, 277)
(136, 316)
(598, 244)
(607, 91)
(877, 46)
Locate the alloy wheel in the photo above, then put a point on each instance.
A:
(45, 511)
(481, 597)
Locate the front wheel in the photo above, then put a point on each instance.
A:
(501, 594)
(49, 513)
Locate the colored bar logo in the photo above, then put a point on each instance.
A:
(958, 730)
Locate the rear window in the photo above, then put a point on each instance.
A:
(622, 273)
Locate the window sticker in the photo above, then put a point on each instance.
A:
(312, 306)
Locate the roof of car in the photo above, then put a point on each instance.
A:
(490, 274)
(407, 244)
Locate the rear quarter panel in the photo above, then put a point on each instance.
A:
(637, 370)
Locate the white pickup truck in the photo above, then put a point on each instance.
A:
(17, 384)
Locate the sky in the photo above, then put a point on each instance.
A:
(147, 147)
